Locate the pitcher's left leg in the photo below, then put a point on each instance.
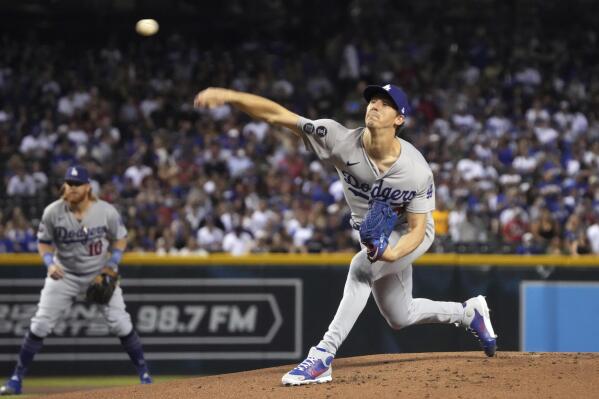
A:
(393, 296)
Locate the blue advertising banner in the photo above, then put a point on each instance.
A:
(559, 316)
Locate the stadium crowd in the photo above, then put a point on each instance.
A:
(508, 118)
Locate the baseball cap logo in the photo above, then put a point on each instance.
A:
(387, 87)
(74, 172)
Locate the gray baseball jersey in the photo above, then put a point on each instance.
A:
(407, 185)
(81, 246)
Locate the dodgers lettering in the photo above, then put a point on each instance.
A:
(61, 234)
(397, 197)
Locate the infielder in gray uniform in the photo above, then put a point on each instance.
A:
(74, 239)
(373, 165)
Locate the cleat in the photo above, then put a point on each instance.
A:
(145, 378)
(12, 387)
(477, 320)
(315, 369)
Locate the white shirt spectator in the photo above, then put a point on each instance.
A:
(78, 136)
(471, 75)
(40, 179)
(573, 167)
(259, 220)
(524, 164)
(35, 144)
(220, 113)
(238, 244)
(562, 117)
(350, 67)
(137, 173)
(336, 190)
(239, 163)
(301, 235)
(81, 99)
(101, 151)
(580, 123)
(546, 135)
(21, 185)
(210, 238)
(113, 132)
(455, 219)
(465, 121)
(470, 169)
(593, 236)
(534, 114)
(66, 106)
(257, 128)
(498, 126)
(148, 106)
(591, 157)
(528, 76)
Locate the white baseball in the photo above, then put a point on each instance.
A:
(146, 27)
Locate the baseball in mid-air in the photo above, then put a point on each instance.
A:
(146, 27)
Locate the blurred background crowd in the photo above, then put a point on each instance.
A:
(506, 110)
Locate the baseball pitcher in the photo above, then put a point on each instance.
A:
(391, 193)
(74, 238)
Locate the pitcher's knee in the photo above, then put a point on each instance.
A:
(401, 319)
(397, 323)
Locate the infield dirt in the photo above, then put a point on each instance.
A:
(418, 375)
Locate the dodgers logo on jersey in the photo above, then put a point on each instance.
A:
(397, 197)
(84, 234)
(308, 128)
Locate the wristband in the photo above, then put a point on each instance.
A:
(48, 259)
(115, 258)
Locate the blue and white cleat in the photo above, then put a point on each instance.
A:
(477, 319)
(315, 369)
(12, 387)
(145, 378)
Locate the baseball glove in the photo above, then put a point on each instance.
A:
(376, 228)
(102, 286)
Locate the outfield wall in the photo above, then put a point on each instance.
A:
(221, 313)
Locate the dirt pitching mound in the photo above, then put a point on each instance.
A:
(423, 375)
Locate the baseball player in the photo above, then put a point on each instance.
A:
(75, 236)
(375, 167)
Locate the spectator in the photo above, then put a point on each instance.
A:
(501, 133)
(6, 244)
(545, 228)
(21, 184)
(238, 242)
(210, 237)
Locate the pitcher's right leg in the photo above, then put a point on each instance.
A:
(316, 367)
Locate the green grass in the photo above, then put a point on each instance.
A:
(65, 382)
(35, 386)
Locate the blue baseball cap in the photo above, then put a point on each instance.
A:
(396, 94)
(76, 174)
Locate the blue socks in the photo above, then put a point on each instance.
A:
(31, 345)
(132, 345)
